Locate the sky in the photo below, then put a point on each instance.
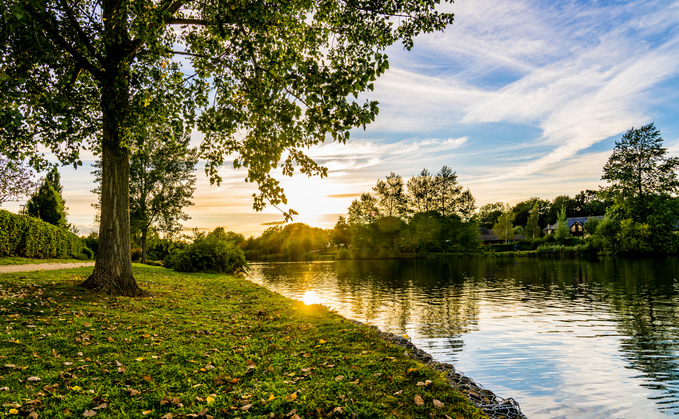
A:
(523, 98)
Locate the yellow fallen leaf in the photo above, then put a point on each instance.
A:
(140, 359)
(322, 341)
(291, 397)
(13, 412)
(146, 412)
(272, 397)
(209, 399)
(405, 335)
(76, 388)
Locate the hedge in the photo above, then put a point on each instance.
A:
(21, 235)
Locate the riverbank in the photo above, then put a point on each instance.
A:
(201, 346)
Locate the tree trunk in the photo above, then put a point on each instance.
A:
(143, 245)
(113, 267)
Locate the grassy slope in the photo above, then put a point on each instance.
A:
(208, 345)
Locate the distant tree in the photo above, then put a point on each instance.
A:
(466, 205)
(489, 213)
(524, 209)
(341, 235)
(47, 203)
(363, 210)
(424, 231)
(447, 191)
(421, 192)
(589, 203)
(561, 233)
(16, 181)
(162, 181)
(639, 167)
(391, 197)
(504, 228)
(533, 230)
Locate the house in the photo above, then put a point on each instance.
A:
(576, 225)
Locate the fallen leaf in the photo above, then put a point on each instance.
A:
(89, 413)
(339, 378)
(76, 388)
(291, 397)
(272, 397)
(337, 410)
(33, 379)
(210, 399)
(13, 412)
(147, 378)
(405, 335)
(438, 404)
(33, 415)
(101, 406)
(322, 341)
(4, 388)
(146, 412)
(133, 392)
(167, 416)
(418, 400)
(246, 407)
(139, 359)
(307, 355)
(398, 393)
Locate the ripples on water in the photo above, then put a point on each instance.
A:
(564, 338)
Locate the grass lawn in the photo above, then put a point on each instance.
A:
(202, 346)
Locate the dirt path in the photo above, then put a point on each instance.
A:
(42, 266)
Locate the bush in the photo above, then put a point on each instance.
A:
(21, 235)
(136, 254)
(87, 253)
(343, 254)
(208, 254)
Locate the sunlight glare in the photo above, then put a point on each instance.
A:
(310, 298)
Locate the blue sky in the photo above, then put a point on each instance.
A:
(522, 98)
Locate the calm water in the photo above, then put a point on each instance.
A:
(566, 339)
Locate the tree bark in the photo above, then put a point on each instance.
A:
(143, 245)
(113, 267)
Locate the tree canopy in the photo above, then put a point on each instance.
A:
(262, 80)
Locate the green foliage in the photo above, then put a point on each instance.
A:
(208, 253)
(561, 233)
(47, 203)
(533, 230)
(504, 228)
(591, 225)
(489, 214)
(639, 166)
(25, 236)
(294, 242)
(391, 197)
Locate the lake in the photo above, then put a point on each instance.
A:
(564, 338)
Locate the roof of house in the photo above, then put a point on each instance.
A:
(573, 220)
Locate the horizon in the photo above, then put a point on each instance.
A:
(520, 100)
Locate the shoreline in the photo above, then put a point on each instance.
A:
(491, 404)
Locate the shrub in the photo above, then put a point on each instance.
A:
(343, 254)
(21, 235)
(136, 254)
(87, 253)
(208, 254)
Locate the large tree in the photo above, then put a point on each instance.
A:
(269, 79)
(16, 181)
(639, 166)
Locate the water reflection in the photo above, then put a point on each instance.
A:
(565, 338)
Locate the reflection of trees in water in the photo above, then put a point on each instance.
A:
(644, 295)
(442, 298)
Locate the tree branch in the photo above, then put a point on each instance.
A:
(186, 21)
(81, 34)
